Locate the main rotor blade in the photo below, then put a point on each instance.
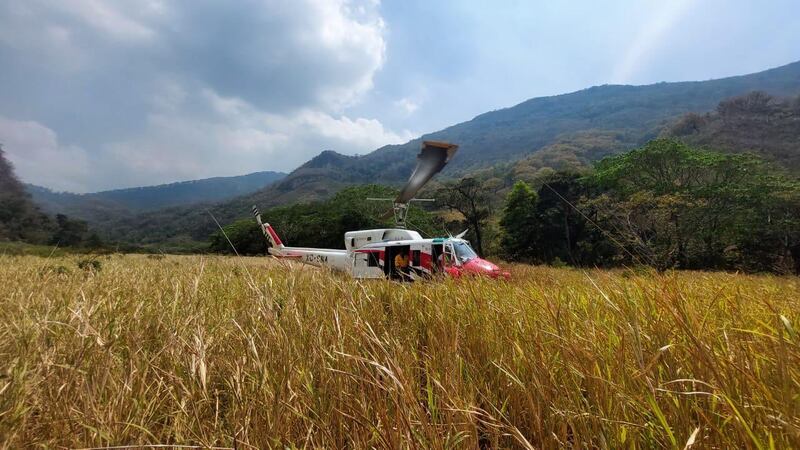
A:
(430, 161)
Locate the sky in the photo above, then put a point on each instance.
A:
(103, 94)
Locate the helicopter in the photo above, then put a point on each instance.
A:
(396, 253)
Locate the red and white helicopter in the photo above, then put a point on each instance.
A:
(396, 253)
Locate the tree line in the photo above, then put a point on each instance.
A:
(322, 224)
(667, 205)
(21, 219)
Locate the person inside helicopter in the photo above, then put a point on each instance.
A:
(401, 264)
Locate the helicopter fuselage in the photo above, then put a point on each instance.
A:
(397, 254)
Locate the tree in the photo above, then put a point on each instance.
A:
(563, 232)
(470, 199)
(688, 208)
(19, 217)
(94, 241)
(245, 236)
(518, 222)
(321, 224)
(69, 232)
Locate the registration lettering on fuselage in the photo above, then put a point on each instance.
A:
(318, 259)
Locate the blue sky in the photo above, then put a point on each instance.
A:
(101, 94)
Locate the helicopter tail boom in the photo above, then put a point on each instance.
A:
(269, 233)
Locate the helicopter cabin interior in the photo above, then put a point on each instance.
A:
(423, 259)
(390, 266)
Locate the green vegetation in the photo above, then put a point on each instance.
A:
(73, 233)
(322, 224)
(242, 237)
(571, 152)
(24, 229)
(470, 199)
(18, 248)
(542, 134)
(667, 205)
(20, 219)
(757, 122)
(249, 353)
(518, 221)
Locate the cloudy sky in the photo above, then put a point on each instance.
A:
(100, 94)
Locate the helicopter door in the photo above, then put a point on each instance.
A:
(388, 261)
(436, 257)
(390, 267)
(450, 256)
(366, 265)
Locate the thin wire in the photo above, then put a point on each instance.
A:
(639, 246)
(417, 229)
(239, 258)
(588, 219)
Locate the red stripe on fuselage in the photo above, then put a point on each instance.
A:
(273, 234)
(425, 260)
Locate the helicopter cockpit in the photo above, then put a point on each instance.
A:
(460, 259)
(459, 251)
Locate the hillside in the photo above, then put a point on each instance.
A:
(20, 219)
(110, 205)
(626, 116)
(758, 123)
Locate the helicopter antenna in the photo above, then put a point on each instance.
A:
(430, 161)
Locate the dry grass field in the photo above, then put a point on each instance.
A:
(245, 353)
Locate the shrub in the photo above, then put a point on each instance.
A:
(90, 264)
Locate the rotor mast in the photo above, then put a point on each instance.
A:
(400, 210)
(431, 159)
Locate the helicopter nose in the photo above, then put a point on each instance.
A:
(487, 266)
(492, 269)
(483, 266)
(479, 266)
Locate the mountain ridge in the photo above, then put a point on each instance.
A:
(108, 204)
(637, 113)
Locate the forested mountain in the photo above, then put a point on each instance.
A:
(19, 217)
(625, 117)
(666, 205)
(111, 205)
(757, 122)
(600, 121)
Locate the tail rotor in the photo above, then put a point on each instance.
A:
(267, 230)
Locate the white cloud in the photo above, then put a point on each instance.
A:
(234, 137)
(348, 134)
(407, 105)
(280, 55)
(159, 91)
(39, 158)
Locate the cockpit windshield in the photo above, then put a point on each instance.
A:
(463, 251)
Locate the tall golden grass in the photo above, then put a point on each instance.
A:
(246, 353)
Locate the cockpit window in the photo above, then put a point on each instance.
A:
(463, 251)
